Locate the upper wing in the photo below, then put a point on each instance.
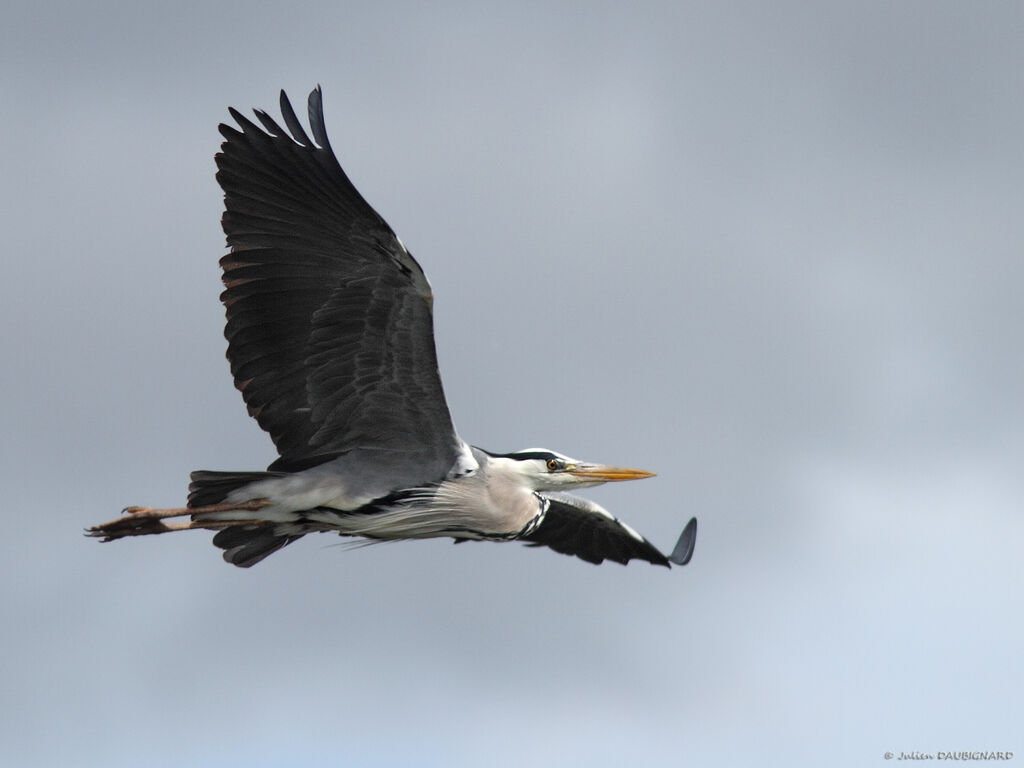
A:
(575, 526)
(329, 322)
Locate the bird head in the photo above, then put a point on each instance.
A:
(546, 470)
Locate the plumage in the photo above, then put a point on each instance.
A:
(330, 338)
(575, 526)
(347, 366)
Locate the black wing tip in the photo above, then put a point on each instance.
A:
(683, 550)
(291, 120)
(317, 123)
(296, 131)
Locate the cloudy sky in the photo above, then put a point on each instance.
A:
(770, 251)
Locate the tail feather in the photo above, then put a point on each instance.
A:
(208, 487)
(243, 545)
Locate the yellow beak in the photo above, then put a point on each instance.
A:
(602, 473)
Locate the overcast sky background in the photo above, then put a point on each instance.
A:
(771, 251)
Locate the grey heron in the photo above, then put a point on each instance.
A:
(330, 341)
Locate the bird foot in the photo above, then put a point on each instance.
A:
(136, 521)
(142, 521)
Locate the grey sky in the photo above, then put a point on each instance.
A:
(770, 251)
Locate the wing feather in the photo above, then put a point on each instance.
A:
(580, 527)
(329, 321)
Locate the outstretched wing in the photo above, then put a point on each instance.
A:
(576, 526)
(329, 322)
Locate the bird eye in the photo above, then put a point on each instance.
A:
(553, 464)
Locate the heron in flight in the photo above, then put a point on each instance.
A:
(331, 343)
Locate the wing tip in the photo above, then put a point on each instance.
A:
(682, 553)
(317, 123)
(291, 121)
